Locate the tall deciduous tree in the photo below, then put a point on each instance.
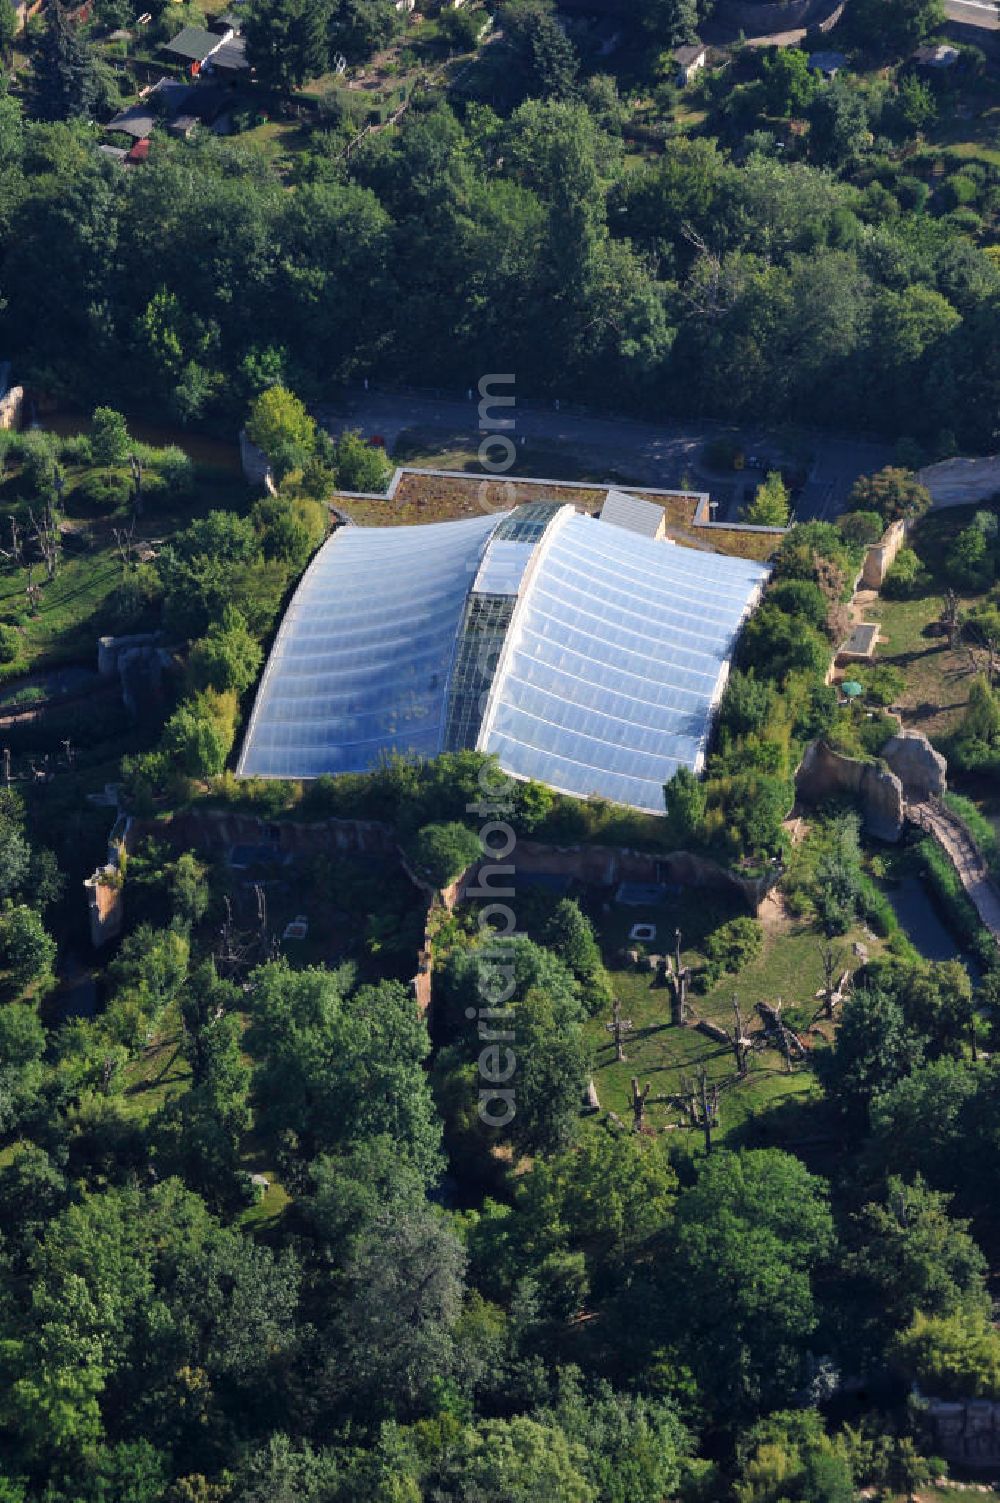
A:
(748, 1238)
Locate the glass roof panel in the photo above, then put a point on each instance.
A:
(616, 655)
(361, 664)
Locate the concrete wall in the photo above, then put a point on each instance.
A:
(882, 555)
(256, 469)
(606, 866)
(107, 908)
(210, 829)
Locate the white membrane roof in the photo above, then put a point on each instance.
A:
(616, 654)
(361, 664)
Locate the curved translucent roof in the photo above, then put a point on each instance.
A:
(617, 652)
(582, 654)
(361, 664)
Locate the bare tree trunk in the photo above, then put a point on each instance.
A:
(639, 1104)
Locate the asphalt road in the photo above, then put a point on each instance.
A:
(641, 453)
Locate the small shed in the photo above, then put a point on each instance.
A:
(223, 51)
(690, 59)
(622, 510)
(860, 645)
(165, 99)
(138, 153)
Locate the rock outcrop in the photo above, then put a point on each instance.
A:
(824, 773)
(922, 771)
(966, 1430)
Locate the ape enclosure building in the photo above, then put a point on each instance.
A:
(585, 653)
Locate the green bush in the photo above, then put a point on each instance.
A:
(105, 491)
(443, 852)
(874, 731)
(906, 578)
(864, 527)
(132, 604)
(883, 683)
(959, 190)
(734, 945)
(175, 469)
(10, 643)
(75, 449)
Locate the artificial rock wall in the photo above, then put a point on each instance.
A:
(824, 773)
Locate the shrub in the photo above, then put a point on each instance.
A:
(38, 462)
(800, 597)
(105, 491)
(109, 440)
(442, 852)
(28, 951)
(883, 683)
(906, 578)
(176, 469)
(10, 643)
(133, 602)
(746, 704)
(75, 449)
(893, 492)
(280, 425)
(360, 466)
(959, 190)
(863, 527)
(734, 945)
(969, 562)
(199, 735)
(770, 506)
(874, 731)
(227, 658)
(912, 193)
(775, 643)
(951, 1356)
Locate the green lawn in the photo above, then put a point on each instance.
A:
(159, 1073)
(71, 612)
(937, 679)
(663, 1055)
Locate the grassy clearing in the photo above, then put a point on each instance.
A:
(789, 968)
(969, 134)
(159, 1073)
(72, 613)
(937, 678)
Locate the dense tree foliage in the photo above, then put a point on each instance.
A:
(686, 283)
